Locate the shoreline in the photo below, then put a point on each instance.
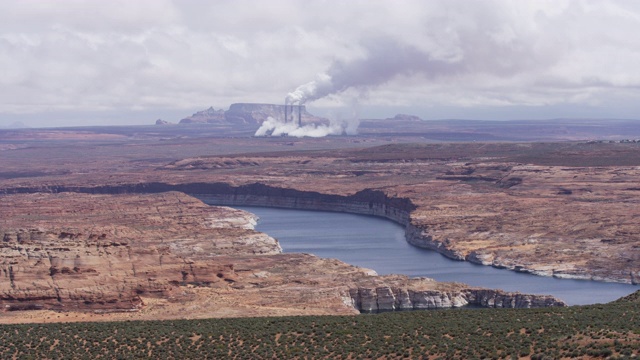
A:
(364, 202)
(413, 234)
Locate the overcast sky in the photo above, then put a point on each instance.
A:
(113, 62)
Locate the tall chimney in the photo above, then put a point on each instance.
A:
(285, 111)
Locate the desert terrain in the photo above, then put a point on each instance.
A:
(107, 223)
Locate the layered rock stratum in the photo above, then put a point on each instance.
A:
(71, 251)
(155, 254)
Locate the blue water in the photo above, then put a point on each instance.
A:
(379, 244)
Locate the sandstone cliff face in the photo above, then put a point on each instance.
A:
(366, 202)
(506, 254)
(71, 251)
(422, 228)
(422, 238)
(169, 255)
(386, 298)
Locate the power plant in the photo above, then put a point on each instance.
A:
(275, 124)
(289, 113)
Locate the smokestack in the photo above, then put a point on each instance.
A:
(299, 115)
(285, 112)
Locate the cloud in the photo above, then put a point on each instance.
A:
(128, 55)
(508, 53)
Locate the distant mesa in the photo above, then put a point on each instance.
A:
(405, 117)
(248, 114)
(17, 125)
(163, 122)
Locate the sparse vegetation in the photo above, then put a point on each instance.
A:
(598, 331)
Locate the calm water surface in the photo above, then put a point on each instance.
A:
(379, 244)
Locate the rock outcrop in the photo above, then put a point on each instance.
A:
(386, 298)
(367, 202)
(73, 251)
(208, 116)
(418, 232)
(130, 252)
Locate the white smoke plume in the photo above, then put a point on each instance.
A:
(312, 90)
(387, 58)
(316, 89)
(383, 60)
(489, 45)
(277, 127)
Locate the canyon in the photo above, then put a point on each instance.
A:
(166, 255)
(555, 209)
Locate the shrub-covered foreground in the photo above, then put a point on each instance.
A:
(611, 330)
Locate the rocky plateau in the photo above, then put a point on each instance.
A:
(155, 254)
(567, 210)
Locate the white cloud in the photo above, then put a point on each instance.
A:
(124, 55)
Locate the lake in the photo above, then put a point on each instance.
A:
(379, 244)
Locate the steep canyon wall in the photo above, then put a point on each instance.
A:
(364, 297)
(365, 202)
(381, 299)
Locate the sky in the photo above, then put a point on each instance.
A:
(75, 62)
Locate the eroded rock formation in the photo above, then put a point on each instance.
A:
(379, 299)
(155, 254)
(207, 116)
(469, 227)
(71, 251)
(563, 209)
